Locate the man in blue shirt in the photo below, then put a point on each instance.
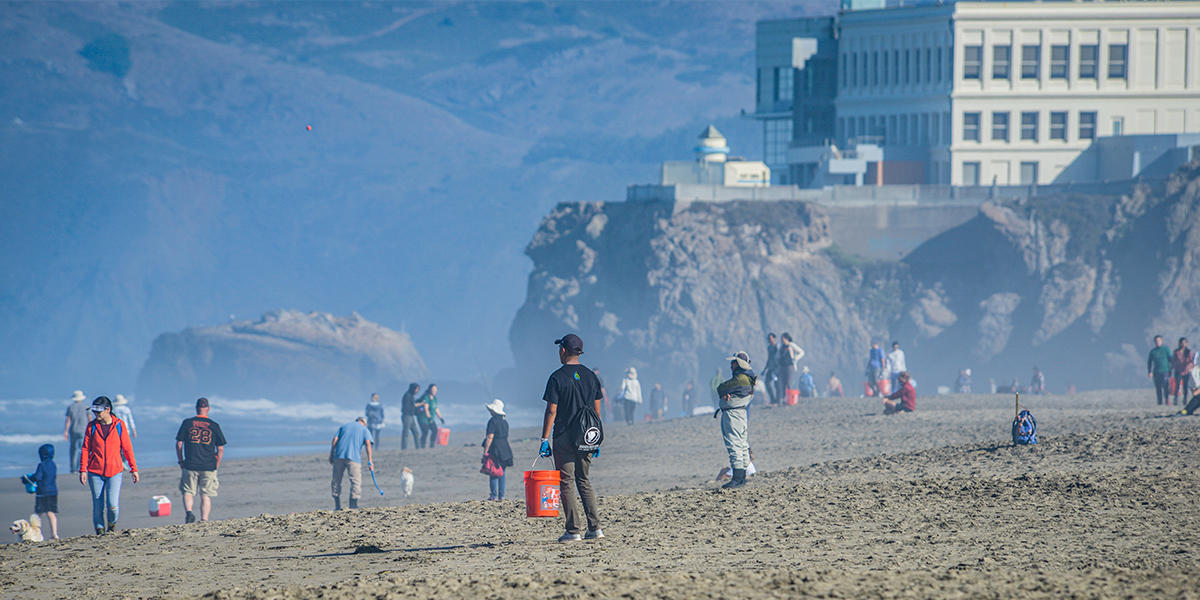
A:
(345, 454)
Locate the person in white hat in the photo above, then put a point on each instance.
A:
(121, 410)
(78, 416)
(735, 394)
(496, 448)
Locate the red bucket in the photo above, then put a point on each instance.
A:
(443, 436)
(541, 494)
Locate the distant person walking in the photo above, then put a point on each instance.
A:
(78, 417)
(428, 416)
(896, 365)
(962, 385)
(904, 399)
(875, 362)
(122, 411)
(687, 399)
(658, 401)
(571, 391)
(790, 355)
(199, 446)
(105, 442)
(1037, 383)
(631, 394)
(1158, 369)
(45, 476)
(1182, 361)
(495, 446)
(345, 454)
(374, 412)
(769, 370)
(735, 394)
(408, 418)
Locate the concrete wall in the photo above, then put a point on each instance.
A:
(891, 232)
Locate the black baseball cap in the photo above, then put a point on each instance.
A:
(571, 343)
(201, 403)
(101, 403)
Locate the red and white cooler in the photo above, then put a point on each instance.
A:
(160, 506)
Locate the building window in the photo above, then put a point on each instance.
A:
(928, 65)
(971, 127)
(972, 61)
(1089, 57)
(1058, 126)
(1060, 61)
(895, 76)
(1117, 56)
(1118, 126)
(1029, 172)
(1031, 61)
(1029, 126)
(907, 66)
(1000, 126)
(970, 173)
(875, 68)
(777, 135)
(1001, 61)
(940, 76)
(1087, 125)
(784, 77)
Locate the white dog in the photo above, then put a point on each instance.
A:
(407, 478)
(28, 531)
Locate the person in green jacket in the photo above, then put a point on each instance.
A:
(735, 395)
(1158, 368)
(428, 416)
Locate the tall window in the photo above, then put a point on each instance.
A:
(784, 78)
(1118, 126)
(1058, 125)
(846, 70)
(907, 66)
(777, 135)
(928, 65)
(1031, 61)
(1029, 172)
(1000, 126)
(1060, 61)
(1118, 54)
(939, 65)
(971, 127)
(875, 68)
(1029, 126)
(895, 67)
(1089, 57)
(862, 65)
(1087, 125)
(970, 172)
(1001, 61)
(972, 61)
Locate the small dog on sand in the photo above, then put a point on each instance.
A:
(406, 477)
(28, 531)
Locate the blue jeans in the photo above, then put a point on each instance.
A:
(105, 490)
(496, 485)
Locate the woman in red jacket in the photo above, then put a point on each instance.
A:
(104, 443)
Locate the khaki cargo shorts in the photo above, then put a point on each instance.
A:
(206, 480)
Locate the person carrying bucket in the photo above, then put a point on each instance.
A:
(573, 398)
(735, 394)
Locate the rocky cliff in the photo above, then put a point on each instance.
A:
(285, 355)
(1074, 284)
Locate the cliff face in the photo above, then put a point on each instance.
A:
(675, 289)
(285, 355)
(1074, 284)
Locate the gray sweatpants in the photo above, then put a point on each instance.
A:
(343, 465)
(573, 475)
(734, 430)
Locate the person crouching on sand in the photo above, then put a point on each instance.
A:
(735, 395)
(907, 396)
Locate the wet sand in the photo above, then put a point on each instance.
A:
(850, 502)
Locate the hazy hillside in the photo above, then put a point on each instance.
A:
(159, 174)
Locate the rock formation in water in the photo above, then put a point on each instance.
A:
(285, 355)
(1074, 284)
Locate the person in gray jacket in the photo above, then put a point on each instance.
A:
(375, 419)
(735, 395)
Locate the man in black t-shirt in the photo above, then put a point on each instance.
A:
(200, 446)
(571, 389)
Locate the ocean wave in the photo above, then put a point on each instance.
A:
(28, 438)
(290, 410)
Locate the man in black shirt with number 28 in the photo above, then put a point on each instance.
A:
(200, 445)
(568, 391)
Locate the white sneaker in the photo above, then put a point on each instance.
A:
(594, 535)
(569, 537)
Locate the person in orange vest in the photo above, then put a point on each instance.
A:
(105, 442)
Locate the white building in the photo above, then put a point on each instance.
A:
(980, 93)
(714, 167)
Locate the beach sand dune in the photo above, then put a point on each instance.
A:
(852, 503)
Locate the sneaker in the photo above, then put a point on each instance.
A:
(593, 535)
(569, 537)
(99, 531)
(190, 518)
(112, 527)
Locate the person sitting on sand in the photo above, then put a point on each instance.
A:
(833, 388)
(1194, 404)
(907, 396)
(735, 394)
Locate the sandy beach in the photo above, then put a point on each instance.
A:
(849, 503)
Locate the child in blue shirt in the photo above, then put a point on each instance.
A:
(46, 501)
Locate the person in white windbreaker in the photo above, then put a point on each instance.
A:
(631, 393)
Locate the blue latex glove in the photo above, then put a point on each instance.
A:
(596, 453)
(545, 451)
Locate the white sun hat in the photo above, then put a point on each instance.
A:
(496, 406)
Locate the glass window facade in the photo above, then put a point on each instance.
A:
(777, 136)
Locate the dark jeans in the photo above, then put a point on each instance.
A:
(785, 381)
(1182, 387)
(573, 467)
(408, 426)
(769, 382)
(76, 451)
(428, 434)
(630, 406)
(1162, 387)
